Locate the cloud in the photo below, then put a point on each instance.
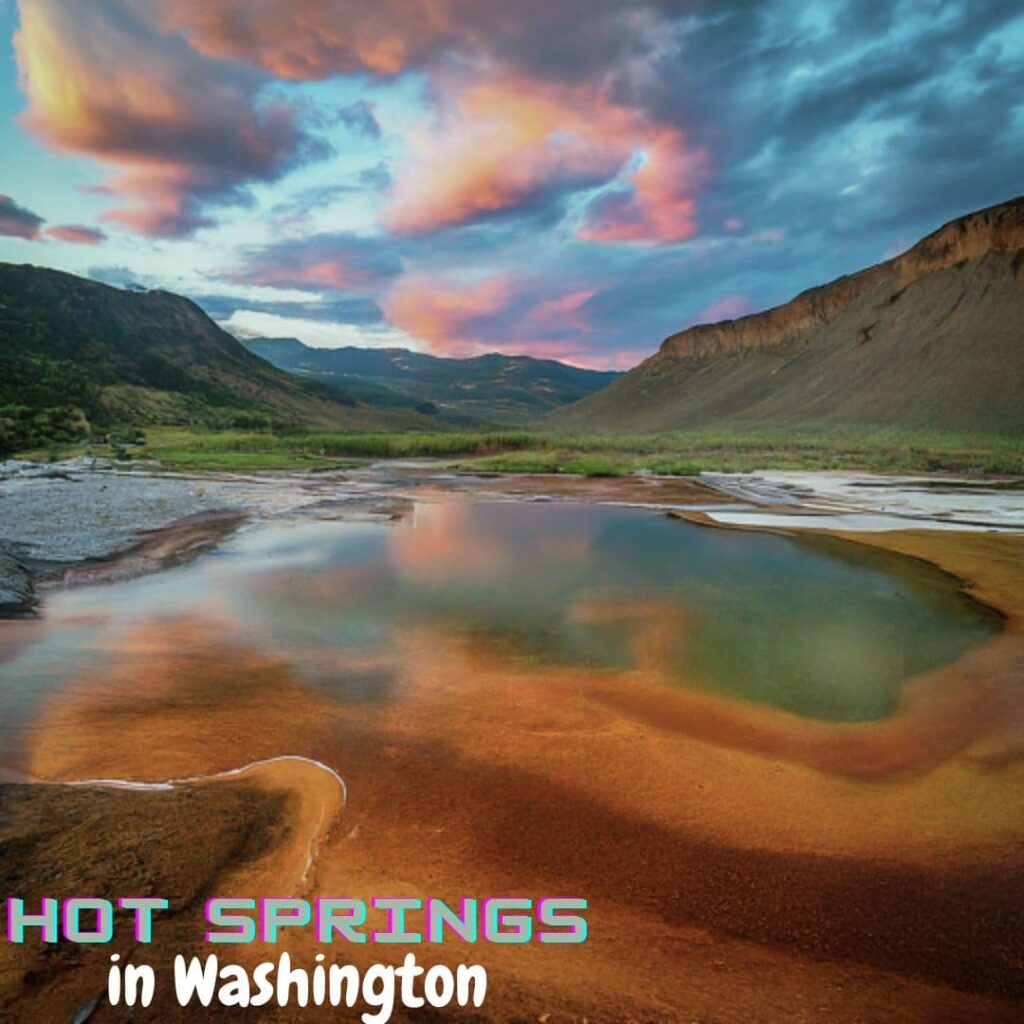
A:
(310, 39)
(525, 98)
(501, 313)
(315, 39)
(359, 311)
(295, 214)
(568, 309)
(378, 177)
(444, 314)
(361, 117)
(317, 333)
(660, 205)
(77, 234)
(342, 262)
(503, 145)
(522, 96)
(119, 277)
(849, 121)
(17, 222)
(731, 307)
(592, 305)
(180, 130)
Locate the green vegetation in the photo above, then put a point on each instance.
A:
(557, 460)
(692, 452)
(78, 357)
(233, 449)
(676, 454)
(24, 427)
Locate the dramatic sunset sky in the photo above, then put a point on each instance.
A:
(565, 178)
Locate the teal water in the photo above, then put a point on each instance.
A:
(823, 630)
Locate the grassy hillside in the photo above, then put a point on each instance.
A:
(932, 340)
(77, 355)
(508, 390)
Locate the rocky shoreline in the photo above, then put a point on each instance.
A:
(83, 522)
(17, 587)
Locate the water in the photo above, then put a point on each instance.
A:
(823, 630)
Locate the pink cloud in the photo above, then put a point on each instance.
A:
(499, 145)
(313, 39)
(566, 309)
(169, 93)
(178, 128)
(340, 262)
(660, 205)
(77, 234)
(316, 39)
(513, 315)
(442, 312)
(731, 307)
(504, 143)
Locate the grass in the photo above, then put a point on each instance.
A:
(677, 454)
(226, 449)
(207, 461)
(556, 461)
(690, 453)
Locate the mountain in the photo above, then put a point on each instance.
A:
(494, 388)
(73, 350)
(933, 339)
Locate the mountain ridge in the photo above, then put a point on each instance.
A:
(506, 389)
(81, 353)
(931, 338)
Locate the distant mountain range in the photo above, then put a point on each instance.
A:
(72, 350)
(933, 339)
(491, 388)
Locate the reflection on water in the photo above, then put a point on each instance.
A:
(817, 631)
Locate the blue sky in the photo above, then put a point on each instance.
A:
(575, 180)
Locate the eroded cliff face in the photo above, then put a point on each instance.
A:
(930, 340)
(995, 229)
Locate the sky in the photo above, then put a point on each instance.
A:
(572, 180)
